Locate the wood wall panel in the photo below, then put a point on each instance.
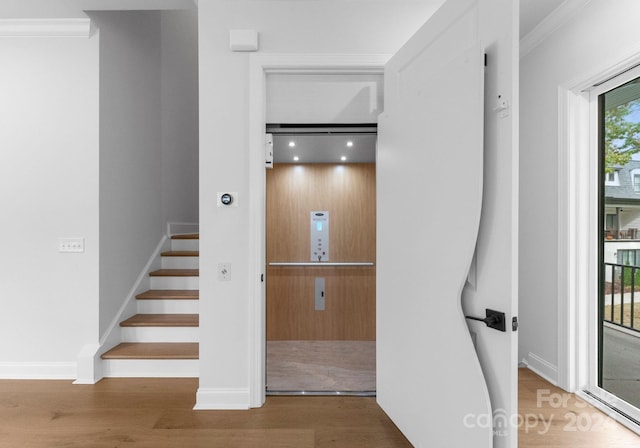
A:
(348, 193)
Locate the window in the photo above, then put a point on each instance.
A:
(629, 257)
(618, 109)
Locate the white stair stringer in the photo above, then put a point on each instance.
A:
(116, 366)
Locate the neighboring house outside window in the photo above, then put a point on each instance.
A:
(612, 179)
(629, 257)
(635, 178)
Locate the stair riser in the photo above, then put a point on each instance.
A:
(167, 306)
(184, 244)
(175, 283)
(160, 334)
(150, 368)
(180, 263)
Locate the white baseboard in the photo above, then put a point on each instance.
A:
(542, 368)
(38, 370)
(222, 399)
(89, 369)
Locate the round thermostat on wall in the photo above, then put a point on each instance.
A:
(226, 199)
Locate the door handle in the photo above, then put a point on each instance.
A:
(494, 319)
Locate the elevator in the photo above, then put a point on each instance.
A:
(320, 252)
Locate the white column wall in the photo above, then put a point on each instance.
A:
(285, 27)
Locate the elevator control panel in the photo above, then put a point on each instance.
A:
(319, 223)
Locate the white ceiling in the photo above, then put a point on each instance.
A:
(327, 148)
(330, 148)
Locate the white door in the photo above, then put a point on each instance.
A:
(447, 165)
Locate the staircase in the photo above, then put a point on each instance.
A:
(162, 339)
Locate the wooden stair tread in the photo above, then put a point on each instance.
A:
(175, 273)
(169, 294)
(162, 320)
(153, 350)
(186, 236)
(181, 253)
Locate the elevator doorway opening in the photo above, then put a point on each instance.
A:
(320, 252)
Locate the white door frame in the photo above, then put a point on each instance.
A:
(260, 65)
(578, 231)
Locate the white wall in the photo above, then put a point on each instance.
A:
(179, 71)
(577, 50)
(130, 152)
(322, 98)
(48, 189)
(285, 27)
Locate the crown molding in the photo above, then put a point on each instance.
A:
(138, 5)
(550, 24)
(45, 27)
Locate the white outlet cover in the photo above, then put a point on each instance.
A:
(224, 272)
(75, 245)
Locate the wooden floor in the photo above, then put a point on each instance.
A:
(553, 418)
(158, 413)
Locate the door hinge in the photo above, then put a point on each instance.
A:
(485, 59)
(268, 150)
(514, 323)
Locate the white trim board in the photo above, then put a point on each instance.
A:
(577, 215)
(221, 399)
(137, 5)
(550, 24)
(45, 28)
(541, 367)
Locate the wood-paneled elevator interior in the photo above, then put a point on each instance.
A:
(321, 314)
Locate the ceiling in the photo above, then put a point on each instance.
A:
(325, 148)
(330, 145)
(307, 143)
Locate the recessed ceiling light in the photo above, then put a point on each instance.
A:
(296, 158)
(343, 158)
(292, 144)
(349, 144)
